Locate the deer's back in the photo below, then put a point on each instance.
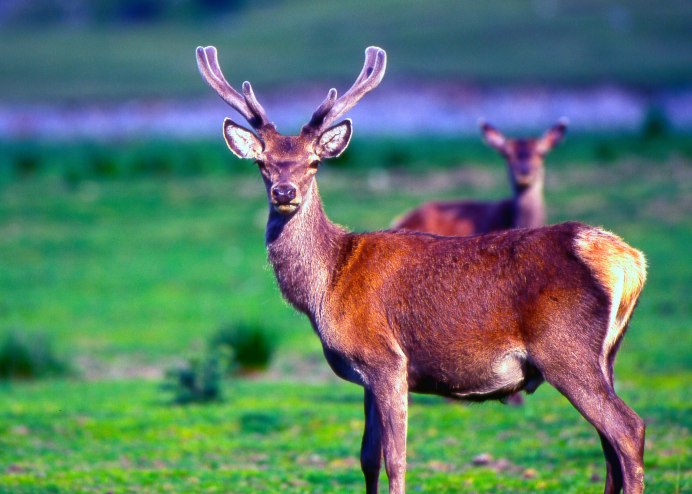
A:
(443, 300)
(459, 218)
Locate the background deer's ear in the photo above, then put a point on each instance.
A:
(553, 136)
(334, 140)
(242, 142)
(492, 136)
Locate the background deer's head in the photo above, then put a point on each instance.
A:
(525, 157)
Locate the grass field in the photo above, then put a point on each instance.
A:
(571, 42)
(285, 436)
(131, 256)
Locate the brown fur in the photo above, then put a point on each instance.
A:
(474, 318)
(525, 209)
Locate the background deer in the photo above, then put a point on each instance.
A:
(471, 318)
(526, 207)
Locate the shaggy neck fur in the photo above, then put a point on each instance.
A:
(303, 248)
(529, 206)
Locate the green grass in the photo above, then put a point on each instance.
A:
(284, 436)
(138, 267)
(146, 264)
(577, 42)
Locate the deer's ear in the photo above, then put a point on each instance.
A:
(492, 136)
(242, 142)
(552, 136)
(334, 140)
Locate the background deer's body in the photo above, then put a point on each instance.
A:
(475, 318)
(462, 218)
(526, 207)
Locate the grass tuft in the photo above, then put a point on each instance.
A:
(250, 346)
(199, 380)
(26, 356)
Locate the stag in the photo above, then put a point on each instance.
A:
(525, 209)
(471, 318)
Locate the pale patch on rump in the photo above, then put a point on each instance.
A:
(620, 269)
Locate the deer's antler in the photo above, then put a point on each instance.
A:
(245, 104)
(332, 108)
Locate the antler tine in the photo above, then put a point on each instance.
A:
(322, 110)
(369, 78)
(370, 56)
(212, 60)
(208, 65)
(259, 115)
(326, 105)
(246, 104)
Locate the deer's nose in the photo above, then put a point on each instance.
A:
(524, 169)
(283, 193)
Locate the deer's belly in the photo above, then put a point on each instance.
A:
(342, 367)
(475, 380)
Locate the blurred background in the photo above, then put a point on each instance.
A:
(73, 68)
(132, 242)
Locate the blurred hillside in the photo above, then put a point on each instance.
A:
(74, 50)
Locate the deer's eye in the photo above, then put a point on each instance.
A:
(314, 164)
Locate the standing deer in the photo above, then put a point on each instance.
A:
(525, 209)
(471, 318)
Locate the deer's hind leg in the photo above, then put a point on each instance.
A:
(371, 448)
(585, 384)
(613, 469)
(613, 483)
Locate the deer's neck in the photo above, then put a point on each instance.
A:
(529, 206)
(303, 249)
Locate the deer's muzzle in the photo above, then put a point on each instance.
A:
(285, 198)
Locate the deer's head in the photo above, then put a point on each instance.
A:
(525, 157)
(288, 163)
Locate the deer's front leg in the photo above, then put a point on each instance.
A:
(390, 393)
(371, 448)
